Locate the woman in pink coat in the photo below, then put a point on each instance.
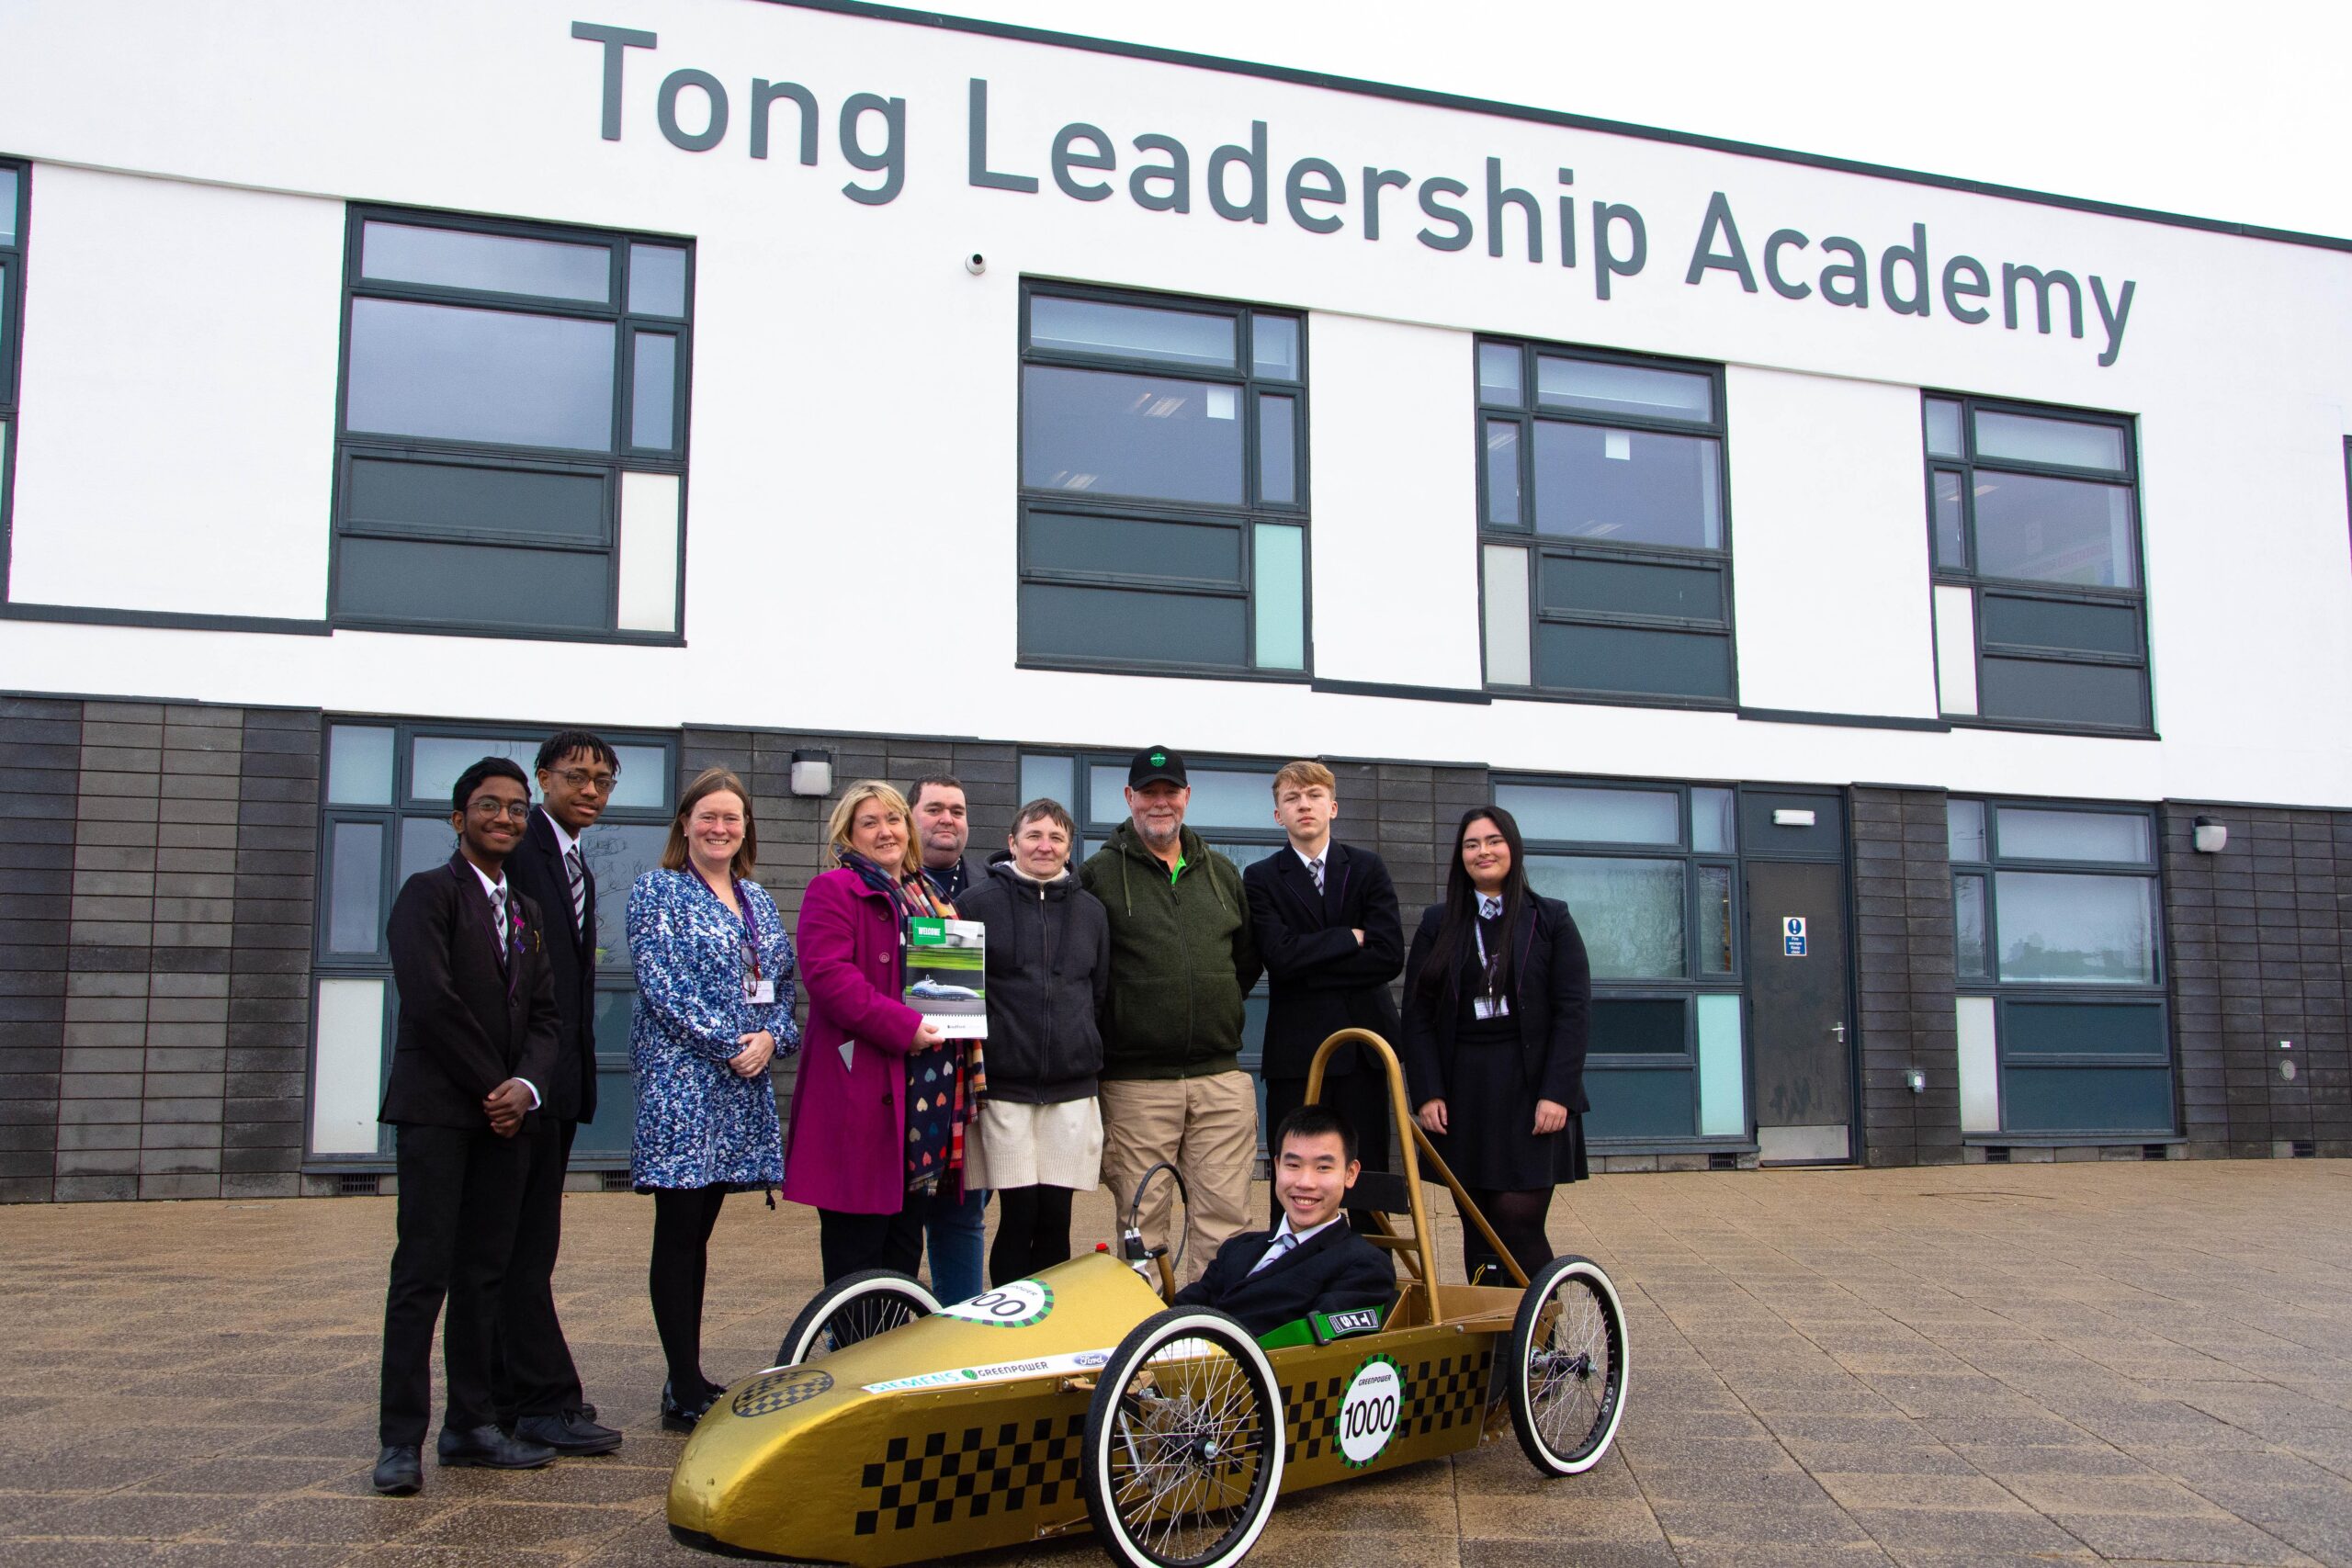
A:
(882, 1103)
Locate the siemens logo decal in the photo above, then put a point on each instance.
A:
(1239, 181)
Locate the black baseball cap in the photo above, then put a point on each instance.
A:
(1155, 764)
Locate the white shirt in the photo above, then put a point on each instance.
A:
(1308, 860)
(497, 893)
(564, 842)
(1298, 1239)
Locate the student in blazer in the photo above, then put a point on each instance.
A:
(1325, 918)
(476, 1042)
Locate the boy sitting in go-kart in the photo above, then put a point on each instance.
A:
(1311, 1263)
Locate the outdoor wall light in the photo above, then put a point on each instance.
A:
(1917, 1080)
(2210, 834)
(1786, 817)
(812, 773)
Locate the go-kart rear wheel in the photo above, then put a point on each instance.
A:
(1566, 1369)
(1184, 1443)
(853, 1307)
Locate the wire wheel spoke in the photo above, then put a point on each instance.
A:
(1186, 1451)
(1568, 1381)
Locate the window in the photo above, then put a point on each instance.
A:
(2041, 615)
(1650, 874)
(387, 818)
(1163, 485)
(2056, 937)
(1603, 549)
(512, 435)
(15, 198)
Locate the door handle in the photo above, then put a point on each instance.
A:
(1838, 1030)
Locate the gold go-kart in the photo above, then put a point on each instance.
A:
(893, 1430)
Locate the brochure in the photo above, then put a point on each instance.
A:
(947, 968)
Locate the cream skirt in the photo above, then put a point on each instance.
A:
(1035, 1146)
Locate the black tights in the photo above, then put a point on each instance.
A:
(683, 1219)
(1032, 1232)
(1518, 1218)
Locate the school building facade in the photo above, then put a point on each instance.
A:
(1906, 617)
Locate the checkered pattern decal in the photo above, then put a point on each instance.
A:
(941, 1476)
(1440, 1395)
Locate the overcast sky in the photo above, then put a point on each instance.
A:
(2239, 111)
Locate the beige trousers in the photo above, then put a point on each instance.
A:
(1207, 1128)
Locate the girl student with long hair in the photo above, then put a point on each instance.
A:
(1497, 993)
(714, 1010)
(883, 1104)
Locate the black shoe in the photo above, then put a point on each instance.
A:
(570, 1433)
(680, 1416)
(399, 1472)
(487, 1448)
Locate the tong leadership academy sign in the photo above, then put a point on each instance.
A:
(1910, 274)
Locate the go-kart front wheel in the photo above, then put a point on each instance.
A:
(1184, 1443)
(853, 1307)
(1566, 1366)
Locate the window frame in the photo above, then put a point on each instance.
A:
(1538, 546)
(2003, 994)
(618, 459)
(612, 976)
(1692, 982)
(1980, 586)
(12, 329)
(1244, 518)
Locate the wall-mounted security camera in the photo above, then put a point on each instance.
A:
(976, 263)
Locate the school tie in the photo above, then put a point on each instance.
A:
(1490, 906)
(498, 917)
(1283, 1243)
(1314, 870)
(578, 873)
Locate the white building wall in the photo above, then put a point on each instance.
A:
(856, 398)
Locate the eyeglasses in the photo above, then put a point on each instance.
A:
(580, 778)
(491, 805)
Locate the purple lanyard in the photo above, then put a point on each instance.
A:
(751, 922)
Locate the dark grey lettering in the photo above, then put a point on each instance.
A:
(1782, 286)
(1499, 195)
(1065, 159)
(1177, 172)
(890, 162)
(1607, 265)
(764, 93)
(665, 111)
(1955, 291)
(976, 167)
(1296, 194)
(1914, 255)
(615, 41)
(1375, 182)
(2013, 276)
(1703, 255)
(2112, 317)
(1567, 222)
(1252, 159)
(1855, 273)
(1460, 238)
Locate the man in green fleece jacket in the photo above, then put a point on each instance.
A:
(1181, 959)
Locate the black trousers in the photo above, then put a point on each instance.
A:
(461, 1192)
(847, 1243)
(531, 1363)
(1362, 1096)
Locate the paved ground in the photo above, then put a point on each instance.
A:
(2030, 1364)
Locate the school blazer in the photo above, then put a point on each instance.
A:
(1320, 980)
(536, 869)
(1334, 1270)
(467, 1021)
(1551, 998)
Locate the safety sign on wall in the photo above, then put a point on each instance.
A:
(1792, 935)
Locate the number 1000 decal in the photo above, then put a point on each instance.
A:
(1367, 1415)
(1017, 1305)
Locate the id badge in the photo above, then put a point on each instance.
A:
(1489, 1007)
(760, 993)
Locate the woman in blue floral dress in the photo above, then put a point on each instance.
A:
(713, 1009)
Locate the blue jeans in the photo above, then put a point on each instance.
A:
(957, 1230)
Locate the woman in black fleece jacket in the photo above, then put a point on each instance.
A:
(1039, 1139)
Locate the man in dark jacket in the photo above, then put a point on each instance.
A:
(1311, 1261)
(539, 1390)
(1181, 960)
(1048, 971)
(955, 1224)
(476, 1039)
(1325, 916)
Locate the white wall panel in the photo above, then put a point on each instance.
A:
(177, 438)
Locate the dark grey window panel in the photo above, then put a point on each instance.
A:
(1274, 346)
(2082, 1029)
(2047, 692)
(490, 263)
(1111, 434)
(1627, 487)
(2040, 529)
(1107, 625)
(2086, 1100)
(2058, 623)
(415, 495)
(1597, 386)
(654, 392)
(1595, 585)
(1133, 332)
(657, 280)
(1640, 1026)
(453, 373)
(1277, 450)
(1132, 548)
(400, 580)
(1641, 1102)
(1635, 660)
(2032, 438)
